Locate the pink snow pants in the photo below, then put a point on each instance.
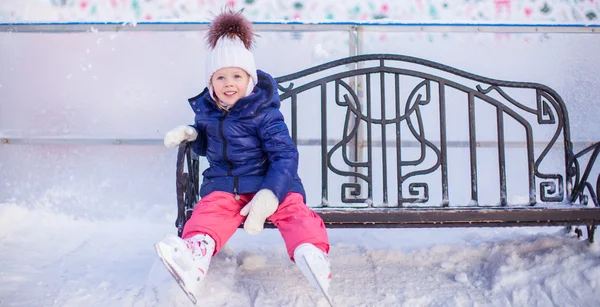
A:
(218, 215)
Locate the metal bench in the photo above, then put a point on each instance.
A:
(387, 134)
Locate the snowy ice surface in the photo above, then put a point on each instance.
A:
(52, 258)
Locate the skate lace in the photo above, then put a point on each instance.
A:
(198, 248)
(321, 261)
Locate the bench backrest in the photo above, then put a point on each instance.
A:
(391, 131)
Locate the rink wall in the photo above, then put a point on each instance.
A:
(84, 106)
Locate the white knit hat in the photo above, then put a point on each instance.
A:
(230, 39)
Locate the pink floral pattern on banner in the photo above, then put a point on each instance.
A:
(502, 6)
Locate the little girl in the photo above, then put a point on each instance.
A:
(253, 173)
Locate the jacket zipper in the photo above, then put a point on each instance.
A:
(230, 170)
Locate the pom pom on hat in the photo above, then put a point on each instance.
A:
(230, 38)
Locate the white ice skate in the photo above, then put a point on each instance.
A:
(314, 265)
(187, 260)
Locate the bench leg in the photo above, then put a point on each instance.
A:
(591, 229)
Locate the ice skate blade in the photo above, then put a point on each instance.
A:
(318, 283)
(176, 276)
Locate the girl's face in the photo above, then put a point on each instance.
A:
(230, 84)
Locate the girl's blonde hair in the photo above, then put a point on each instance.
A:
(216, 97)
(220, 105)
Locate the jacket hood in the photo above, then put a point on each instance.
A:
(265, 95)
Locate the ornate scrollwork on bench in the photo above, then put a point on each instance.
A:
(580, 183)
(430, 92)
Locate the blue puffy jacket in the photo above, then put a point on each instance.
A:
(248, 147)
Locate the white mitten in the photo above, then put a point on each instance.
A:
(180, 134)
(263, 204)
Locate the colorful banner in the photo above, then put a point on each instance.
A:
(506, 11)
